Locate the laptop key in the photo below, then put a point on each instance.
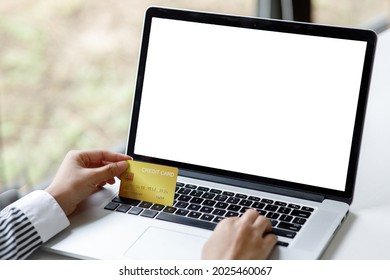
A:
(219, 212)
(280, 203)
(228, 193)
(209, 202)
(207, 217)
(270, 207)
(194, 215)
(284, 210)
(218, 219)
(208, 195)
(196, 200)
(186, 221)
(284, 233)
(282, 243)
(301, 214)
(157, 207)
(194, 207)
(254, 198)
(289, 226)
(185, 198)
(235, 208)
(242, 196)
(169, 209)
(196, 193)
(246, 203)
(231, 214)
(221, 205)
(184, 191)
(233, 200)
(299, 221)
(258, 205)
(111, 206)
(309, 209)
(272, 215)
(203, 189)
(145, 204)
(215, 191)
(135, 210)
(220, 197)
(285, 218)
(190, 186)
(129, 201)
(182, 212)
(149, 213)
(123, 208)
(181, 204)
(206, 209)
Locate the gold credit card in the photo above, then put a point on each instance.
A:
(149, 182)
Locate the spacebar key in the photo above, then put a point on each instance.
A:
(185, 221)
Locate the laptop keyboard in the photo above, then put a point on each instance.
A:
(205, 207)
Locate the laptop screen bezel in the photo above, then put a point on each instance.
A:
(270, 25)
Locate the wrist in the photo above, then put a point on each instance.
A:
(61, 200)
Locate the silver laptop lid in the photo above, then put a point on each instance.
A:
(259, 102)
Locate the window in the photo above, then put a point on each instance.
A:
(67, 76)
(373, 14)
(68, 71)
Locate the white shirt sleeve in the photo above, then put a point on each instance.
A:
(44, 213)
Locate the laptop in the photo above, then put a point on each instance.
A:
(255, 113)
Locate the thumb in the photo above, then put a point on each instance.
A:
(109, 171)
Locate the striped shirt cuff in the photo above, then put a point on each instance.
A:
(43, 212)
(18, 237)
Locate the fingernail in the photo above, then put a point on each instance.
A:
(122, 165)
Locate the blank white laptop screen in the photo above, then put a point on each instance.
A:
(265, 103)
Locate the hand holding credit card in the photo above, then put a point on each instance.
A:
(149, 182)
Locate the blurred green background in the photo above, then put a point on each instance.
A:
(67, 71)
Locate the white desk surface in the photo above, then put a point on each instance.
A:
(365, 233)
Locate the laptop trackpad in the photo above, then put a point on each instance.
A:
(159, 243)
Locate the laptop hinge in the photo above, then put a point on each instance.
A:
(252, 185)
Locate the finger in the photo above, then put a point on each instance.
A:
(100, 185)
(111, 181)
(250, 216)
(99, 163)
(108, 172)
(270, 239)
(263, 224)
(95, 158)
(269, 242)
(227, 222)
